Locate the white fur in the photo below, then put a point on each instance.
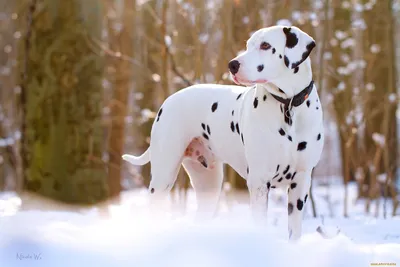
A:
(264, 147)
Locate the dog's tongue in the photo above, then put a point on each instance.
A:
(245, 82)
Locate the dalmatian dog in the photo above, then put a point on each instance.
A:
(268, 128)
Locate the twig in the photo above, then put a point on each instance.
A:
(347, 148)
(120, 56)
(109, 52)
(175, 69)
(314, 210)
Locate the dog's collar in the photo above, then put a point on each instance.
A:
(295, 101)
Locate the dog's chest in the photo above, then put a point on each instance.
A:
(273, 143)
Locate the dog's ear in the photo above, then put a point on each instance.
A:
(298, 46)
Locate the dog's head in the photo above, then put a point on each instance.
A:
(271, 53)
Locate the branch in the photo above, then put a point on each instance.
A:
(175, 69)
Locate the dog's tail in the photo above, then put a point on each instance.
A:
(141, 160)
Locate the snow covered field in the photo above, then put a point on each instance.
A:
(38, 234)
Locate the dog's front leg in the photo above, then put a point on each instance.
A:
(258, 199)
(297, 197)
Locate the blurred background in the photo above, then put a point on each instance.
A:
(81, 80)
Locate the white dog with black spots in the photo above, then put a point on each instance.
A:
(270, 131)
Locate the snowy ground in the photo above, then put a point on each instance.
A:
(37, 233)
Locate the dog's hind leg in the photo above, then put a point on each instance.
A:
(297, 197)
(166, 160)
(207, 184)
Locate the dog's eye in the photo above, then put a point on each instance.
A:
(265, 46)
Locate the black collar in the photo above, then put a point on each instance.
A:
(295, 101)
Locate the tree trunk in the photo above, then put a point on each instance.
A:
(61, 87)
(121, 40)
(148, 84)
(380, 79)
(340, 85)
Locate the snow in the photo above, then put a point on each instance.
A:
(125, 234)
(370, 87)
(168, 40)
(203, 38)
(375, 48)
(379, 139)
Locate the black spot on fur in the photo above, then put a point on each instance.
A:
(276, 175)
(268, 185)
(290, 138)
(291, 38)
(281, 108)
(152, 191)
(296, 70)
(205, 136)
(277, 167)
(232, 126)
(308, 103)
(286, 170)
(288, 176)
(280, 179)
(317, 108)
(260, 68)
(203, 126)
(237, 98)
(273, 50)
(233, 112)
(305, 198)
(159, 114)
(241, 135)
(264, 97)
(247, 170)
(280, 56)
(300, 204)
(293, 185)
(237, 128)
(214, 106)
(285, 58)
(304, 56)
(293, 175)
(301, 146)
(208, 129)
(255, 102)
(290, 208)
(281, 132)
(273, 186)
(319, 137)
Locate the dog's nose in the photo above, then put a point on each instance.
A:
(234, 66)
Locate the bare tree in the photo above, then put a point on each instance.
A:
(61, 98)
(121, 36)
(340, 83)
(380, 108)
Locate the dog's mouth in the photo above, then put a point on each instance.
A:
(240, 81)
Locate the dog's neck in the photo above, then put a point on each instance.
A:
(297, 81)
